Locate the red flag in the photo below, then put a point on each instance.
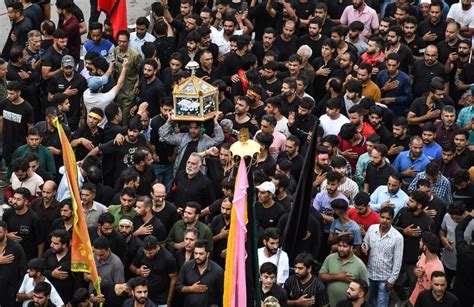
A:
(116, 10)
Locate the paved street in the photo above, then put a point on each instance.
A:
(135, 9)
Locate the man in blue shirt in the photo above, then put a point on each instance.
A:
(342, 224)
(389, 195)
(395, 86)
(431, 149)
(439, 184)
(98, 44)
(410, 162)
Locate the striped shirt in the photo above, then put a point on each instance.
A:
(442, 188)
(385, 254)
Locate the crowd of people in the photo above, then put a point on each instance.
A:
(388, 85)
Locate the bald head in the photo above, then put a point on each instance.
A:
(49, 191)
(158, 194)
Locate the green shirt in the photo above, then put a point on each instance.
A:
(46, 159)
(333, 265)
(176, 234)
(116, 211)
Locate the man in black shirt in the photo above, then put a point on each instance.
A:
(145, 222)
(16, 117)
(400, 139)
(450, 43)
(463, 156)
(304, 288)
(220, 229)
(437, 295)
(142, 163)
(269, 288)
(378, 170)
(436, 207)
(24, 225)
(465, 263)
(87, 138)
(425, 70)
(314, 39)
(260, 48)
(201, 280)
(286, 42)
(411, 222)
(394, 36)
(158, 266)
(152, 90)
(46, 206)
(71, 84)
(192, 185)
(432, 29)
(51, 62)
(18, 34)
(165, 211)
(267, 211)
(292, 148)
(356, 294)
(123, 152)
(105, 228)
(270, 83)
(12, 267)
(411, 38)
(58, 265)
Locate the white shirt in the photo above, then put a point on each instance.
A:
(33, 183)
(464, 18)
(283, 263)
(332, 126)
(98, 100)
(27, 287)
(282, 126)
(137, 43)
(223, 44)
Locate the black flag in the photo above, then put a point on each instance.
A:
(297, 224)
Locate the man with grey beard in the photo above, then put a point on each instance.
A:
(192, 185)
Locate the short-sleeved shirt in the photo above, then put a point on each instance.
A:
(161, 266)
(365, 221)
(337, 227)
(368, 17)
(16, 118)
(333, 265)
(314, 287)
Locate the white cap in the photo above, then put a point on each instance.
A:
(425, 1)
(267, 186)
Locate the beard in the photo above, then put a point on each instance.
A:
(141, 300)
(371, 52)
(462, 54)
(301, 277)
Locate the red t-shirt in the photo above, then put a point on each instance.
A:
(359, 148)
(367, 130)
(366, 221)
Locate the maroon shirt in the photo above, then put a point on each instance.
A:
(71, 26)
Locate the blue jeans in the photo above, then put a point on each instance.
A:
(164, 174)
(378, 296)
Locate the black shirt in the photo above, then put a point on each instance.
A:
(302, 126)
(426, 299)
(168, 215)
(444, 49)
(441, 208)
(123, 153)
(116, 240)
(286, 48)
(297, 163)
(438, 29)
(190, 148)
(198, 189)
(147, 178)
(47, 215)
(417, 46)
(466, 195)
(212, 277)
(16, 118)
(96, 138)
(319, 83)
(315, 45)
(35, 15)
(376, 177)
(131, 249)
(268, 217)
(423, 75)
(348, 303)
(465, 159)
(159, 230)
(260, 52)
(20, 29)
(65, 287)
(272, 89)
(268, 166)
(11, 274)
(314, 287)
(59, 83)
(161, 266)
(27, 226)
(420, 108)
(277, 292)
(152, 93)
(411, 247)
(218, 223)
(162, 149)
(237, 126)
